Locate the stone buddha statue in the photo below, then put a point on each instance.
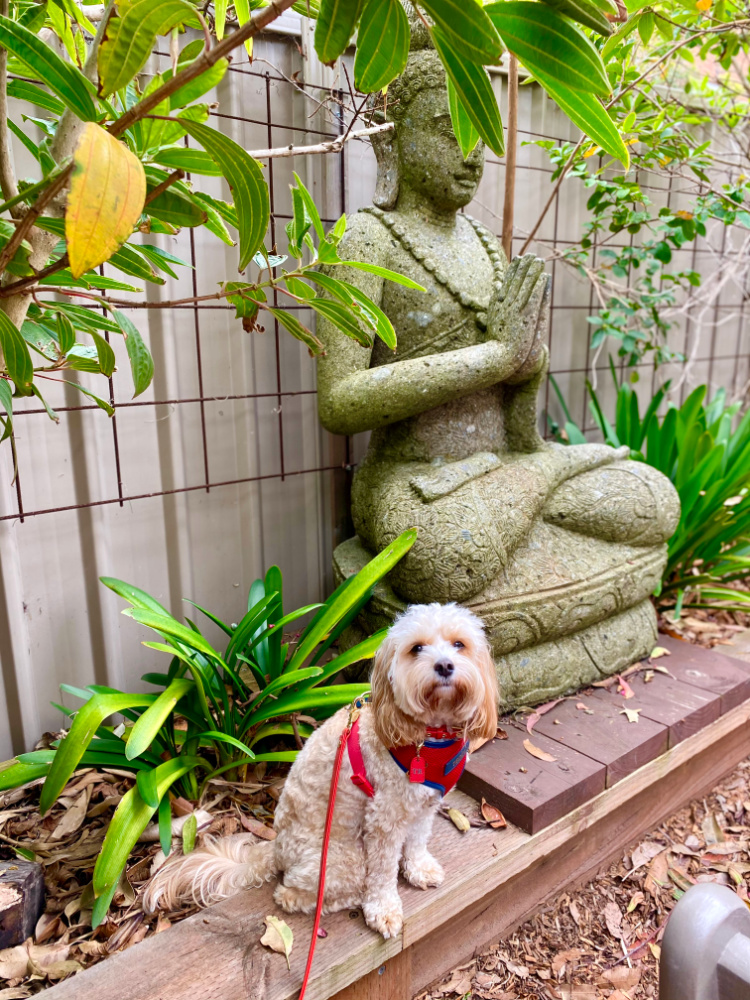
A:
(557, 548)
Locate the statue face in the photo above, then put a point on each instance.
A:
(430, 159)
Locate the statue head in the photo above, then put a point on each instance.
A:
(422, 152)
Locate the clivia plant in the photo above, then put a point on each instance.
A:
(214, 710)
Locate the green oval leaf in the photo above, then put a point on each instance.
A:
(334, 27)
(129, 40)
(17, 357)
(474, 89)
(463, 128)
(546, 42)
(193, 161)
(585, 13)
(141, 362)
(467, 28)
(245, 177)
(64, 79)
(587, 112)
(382, 45)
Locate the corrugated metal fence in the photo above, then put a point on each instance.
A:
(221, 469)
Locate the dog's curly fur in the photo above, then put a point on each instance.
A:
(371, 837)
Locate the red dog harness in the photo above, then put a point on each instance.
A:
(438, 762)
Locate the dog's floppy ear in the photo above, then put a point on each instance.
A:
(392, 726)
(484, 724)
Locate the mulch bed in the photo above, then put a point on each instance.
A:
(600, 941)
(603, 940)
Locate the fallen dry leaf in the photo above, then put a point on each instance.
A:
(631, 713)
(613, 919)
(711, 830)
(14, 962)
(258, 828)
(584, 708)
(74, 816)
(501, 734)
(567, 991)
(635, 900)
(658, 651)
(657, 876)
(575, 912)
(643, 854)
(655, 950)
(536, 752)
(621, 977)
(493, 816)
(513, 967)
(278, 937)
(539, 712)
(624, 688)
(563, 959)
(459, 820)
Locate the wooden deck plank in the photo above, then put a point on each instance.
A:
(708, 669)
(683, 708)
(531, 793)
(606, 735)
(495, 880)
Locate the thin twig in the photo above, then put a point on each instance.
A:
(260, 19)
(331, 146)
(27, 223)
(8, 183)
(510, 157)
(175, 176)
(26, 283)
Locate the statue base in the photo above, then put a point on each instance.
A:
(569, 610)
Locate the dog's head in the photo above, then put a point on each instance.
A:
(434, 668)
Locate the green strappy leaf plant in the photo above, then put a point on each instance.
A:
(704, 449)
(216, 710)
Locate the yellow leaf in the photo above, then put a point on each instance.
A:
(658, 651)
(278, 936)
(107, 192)
(458, 819)
(590, 152)
(703, 5)
(631, 713)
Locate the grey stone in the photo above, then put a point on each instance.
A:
(556, 548)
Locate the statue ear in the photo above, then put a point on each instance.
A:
(386, 186)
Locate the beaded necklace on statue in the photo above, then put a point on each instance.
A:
(429, 264)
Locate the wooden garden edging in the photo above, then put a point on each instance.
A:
(495, 880)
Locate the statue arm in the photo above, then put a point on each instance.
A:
(353, 397)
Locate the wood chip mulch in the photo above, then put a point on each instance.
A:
(67, 841)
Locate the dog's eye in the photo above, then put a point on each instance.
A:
(458, 644)
(417, 649)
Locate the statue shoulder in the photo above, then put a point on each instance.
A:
(366, 238)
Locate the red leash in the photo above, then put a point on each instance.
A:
(353, 714)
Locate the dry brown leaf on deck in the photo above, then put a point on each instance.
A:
(657, 876)
(621, 977)
(613, 919)
(95, 948)
(501, 734)
(562, 959)
(539, 712)
(258, 828)
(536, 752)
(643, 854)
(278, 937)
(584, 708)
(493, 816)
(631, 713)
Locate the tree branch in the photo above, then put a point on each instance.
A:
(8, 183)
(333, 146)
(259, 20)
(175, 176)
(26, 224)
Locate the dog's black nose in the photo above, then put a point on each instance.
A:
(444, 668)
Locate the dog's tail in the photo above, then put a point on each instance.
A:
(220, 868)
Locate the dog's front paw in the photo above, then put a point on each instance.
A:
(423, 871)
(386, 916)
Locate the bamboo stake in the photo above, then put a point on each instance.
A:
(510, 157)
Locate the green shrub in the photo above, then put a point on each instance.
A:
(705, 450)
(230, 702)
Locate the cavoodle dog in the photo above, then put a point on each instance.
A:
(434, 689)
